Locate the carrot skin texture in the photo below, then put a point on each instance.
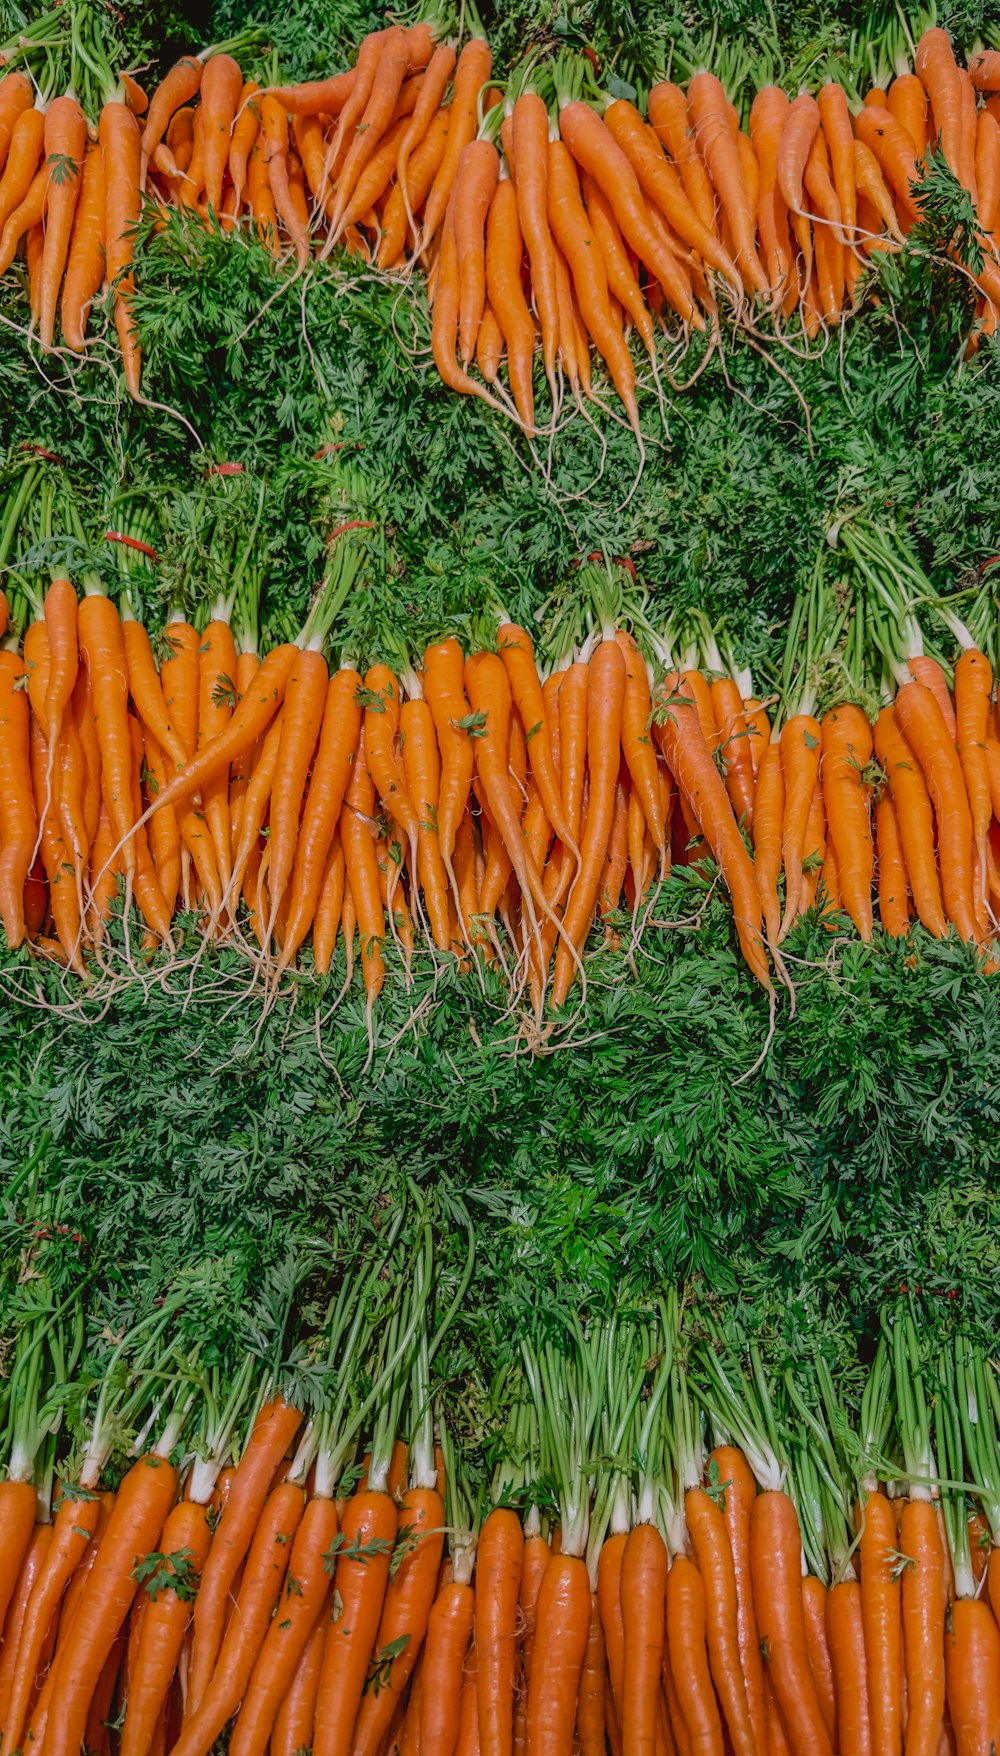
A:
(449, 1631)
(165, 1621)
(846, 1640)
(881, 1599)
(118, 132)
(972, 1669)
(923, 1612)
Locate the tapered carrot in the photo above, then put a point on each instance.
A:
(638, 747)
(221, 91)
(22, 161)
(775, 1562)
(471, 74)
(423, 167)
(923, 1612)
(72, 1531)
(690, 761)
(973, 689)
(405, 1610)
(592, 1707)
(605, 704)
(449, 1630)
(800, 757)
(667, 108)
(65, 139)
(360, 1580)
(32, 1567)
(562, 1629)
(662, 185)
(16, 96)
(26, 221)
(165, 1620)
(935, 65)
(818, 1651)
(293, 1725)
(718, 146)
(845, 1636)
(358, 838)
(598, 154)
(713, 1553)
(133, 1530)
(85, 263)
(263, 1576)
(246, 126)
(177, 87)
(972, 1669)
(273, 1431)
(18, 1508)
(643, 1590)
(892, 147)
(578, 243)
(688, 1657)
(498, 1575)
(922, 724)
(846, 753)
(881, 1619)
(119, 138)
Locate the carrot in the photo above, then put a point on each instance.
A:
(358, 839)
(85, 263)
(622, 283)
(643, 1592)
(133, 1529)
(18, 820)
(177, 87)
(517, 652)
(293, 1724)
(577, 241)
(245, 128)
(775, 1550)
(371, 122)
(906, 102)
(422, 168)
(767, 118)
(715, 140)
(592, 1707)
(305, 701)
(714, 1556)
(264, 1572)
(217, 666)
(845, 1636)
(637, 741)
(871, 186)
(734, 747)
(147, 890)
(972, 1669)
(274, 1429)
(316, 97)
(118, 132)
(597, 153)
(801, 126)
(530, 167)
(18, 1508)
(32, 1567)
(449, 1630)
(406, 1607)
(274, 140)
(65, 139)
(688, 1657)
(360, 1580)
(973, 690)
(800, 754)
(26, 220)
(103, 651)
(21, 166)
(498, 1575)
(847, 748)
(922, 724)
(439, 71)
(667, 108)
(290, 1630)
(73, 1529)
(562, 1630)
(490, 697)
(881, 1619)
(609, 1603)
(818, 1651)
(444, 687)
(445, 318)
(690, 761)
(471, 74)
(923, 1613)
(913, 820)
(16, 97)
(338, 741)
(165, 1620)
(475, 181)
(605, 703)
(661, 184)
(739, 1487)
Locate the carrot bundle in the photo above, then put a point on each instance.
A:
(600, 218)
(667, 1596)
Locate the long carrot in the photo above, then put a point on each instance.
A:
(273, 1431)
(18, 821)
(881, 1620)
(118, 132)
(845, 1635)
(923, 1613)
(360, 1580)
(713, 1553)
(688, 1657)
(847, 749)
(775, 1561)
(405, 1611)
(165, 1621)
(643, 1589)
(605, 703)
(498, 1577)
(923, 725)
(714, 136)
(471, 74)
(562, 1630)
(140, 1511)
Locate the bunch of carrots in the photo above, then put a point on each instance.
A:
(544, 212)
(479, 803)
(678, 1550)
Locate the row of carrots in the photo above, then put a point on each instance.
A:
(675, 1553)
(482, 803)
(535, 210)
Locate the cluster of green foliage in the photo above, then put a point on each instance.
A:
(861, 1154)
